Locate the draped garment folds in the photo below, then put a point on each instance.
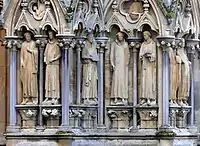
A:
(148, 70)
(52, 80)
(29, 69)
(90, 76)
(119, 57)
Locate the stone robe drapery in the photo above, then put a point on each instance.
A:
(52, 80)
(148, 70)
(175, 73)
(184, 88)
(119, 57)
(29, 69)
(90, 76)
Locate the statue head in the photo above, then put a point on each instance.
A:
(90, 37)
(27, 36)
(182, 43)
(146, 35)
(120, 36)
(51, 34)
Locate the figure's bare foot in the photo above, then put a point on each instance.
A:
(54, 101)
(35, 100)
(25, 100)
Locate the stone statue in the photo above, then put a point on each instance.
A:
(90, 76)
(119, 58)
(135, 10)
(175, 75)
(52, 81)
(147, 71)
(185, 22)
(29, 70)
(184, 88)
(39, 10)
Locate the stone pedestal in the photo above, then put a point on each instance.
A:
(83, 117)
(148, 117)
(53, 122)
(120, 118)
(181, 117)
(28, 118)
(52, 115)
(173, 115)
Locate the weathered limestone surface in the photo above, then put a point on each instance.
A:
(110, 73)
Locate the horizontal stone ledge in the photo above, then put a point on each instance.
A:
(131, 107)
(140, 135)
(36, 106)
(83, 106)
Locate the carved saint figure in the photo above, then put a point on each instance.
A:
(175, 75)
(119, 58)
(147, 70)
(184, 88)
(90, 76)
(39, 10)
(185, 21)
(28, 70)
(52, 81)
(135, 10)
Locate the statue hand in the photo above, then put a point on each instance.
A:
(30, 51)
(85, 61)
(87, 83)
(113, 68)
(22, 64)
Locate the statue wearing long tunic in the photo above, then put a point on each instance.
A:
(29, 70)
(90, 76)
(147, 70)
(119, 57)
(52, 81)
(184, 88)
(175, 75)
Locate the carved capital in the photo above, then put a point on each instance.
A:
(51, 112)
(41, 41)
(102, 44)
(80, 43)
(181, 117)
(12, 42)
(192, 45)
(134, 44)
(66, 41)
(172, 115)
(148, 117)
(165, 42)
(119, 119)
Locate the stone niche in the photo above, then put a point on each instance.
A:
(87, 74)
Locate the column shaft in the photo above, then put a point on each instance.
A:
(135, 84)
(191, 58)
(78, 77)
(41, 83)
(66, 103)
(13, 86)
(100, 90)
(165, 88)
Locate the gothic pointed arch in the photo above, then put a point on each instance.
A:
(34, 15)
(89, 14)
(119, 9)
